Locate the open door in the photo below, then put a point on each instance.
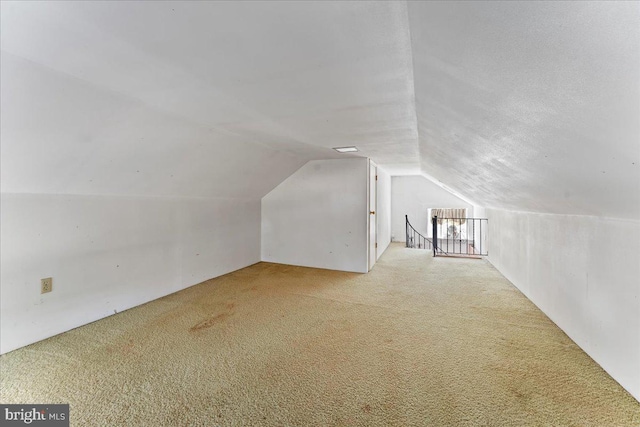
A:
(373, 217)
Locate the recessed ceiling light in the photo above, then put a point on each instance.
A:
(345, 149)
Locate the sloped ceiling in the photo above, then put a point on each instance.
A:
(205, 99)
(518, 105)
(531, 105)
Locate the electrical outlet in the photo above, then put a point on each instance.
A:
(46, 285)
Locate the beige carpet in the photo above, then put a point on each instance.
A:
(418, 341)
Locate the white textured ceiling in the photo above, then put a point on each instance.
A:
(531, 105)
(209, 99)
(519, 105)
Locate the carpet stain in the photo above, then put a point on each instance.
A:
(207, 323)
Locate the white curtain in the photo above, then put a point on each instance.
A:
(460, 214)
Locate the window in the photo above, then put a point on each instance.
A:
(451, 223)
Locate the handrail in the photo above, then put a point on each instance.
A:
(416, 239)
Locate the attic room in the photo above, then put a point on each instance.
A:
(205, 208)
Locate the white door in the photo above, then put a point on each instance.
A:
(373, 222)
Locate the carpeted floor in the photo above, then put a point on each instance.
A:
(418, 341)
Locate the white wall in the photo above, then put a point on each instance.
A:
(318, 217)
(383, 211)
(109, 254)
(584, 273)
(413, 195)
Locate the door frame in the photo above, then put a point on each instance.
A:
(372, 218)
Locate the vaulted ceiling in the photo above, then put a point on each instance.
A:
(518, 105)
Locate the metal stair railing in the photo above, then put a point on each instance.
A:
(415, 239)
